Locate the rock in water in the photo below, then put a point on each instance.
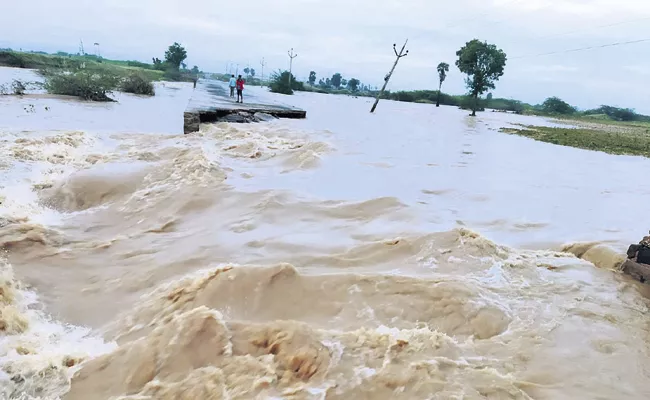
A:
(260, 116)
(237, 118)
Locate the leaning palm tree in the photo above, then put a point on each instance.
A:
(443, 68)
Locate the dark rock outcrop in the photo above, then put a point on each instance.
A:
(192, 122)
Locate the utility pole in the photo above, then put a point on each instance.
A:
(262, 63)
(291, 57)
(387, 77)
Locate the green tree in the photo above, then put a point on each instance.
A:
(175, 55)
(483, 64)
(555, 105)
(353, 84)
(195, 70)
(312, 77)
(247, 70)
(344, 82)
(443, 68)
(253, 72)
(336, 80)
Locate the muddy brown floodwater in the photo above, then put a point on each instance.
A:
(411, 254)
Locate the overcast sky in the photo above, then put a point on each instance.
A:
(355, 37)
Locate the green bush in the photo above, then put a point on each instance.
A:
(506, 105)
(280, 83)
(88, 85)
(137, 83)
(555, 105)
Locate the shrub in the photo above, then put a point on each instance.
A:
(88, 85)
(280, 83)
(138, 84)
(12, 59)
(555, 105)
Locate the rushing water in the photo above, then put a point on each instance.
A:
(344, 256)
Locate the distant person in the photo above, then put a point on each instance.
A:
(240, 89)
(232, 84)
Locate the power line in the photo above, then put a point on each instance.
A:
(582, 49)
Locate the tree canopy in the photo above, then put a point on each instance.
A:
(555, 105)
(353, 84)
(443, 68)
(312, 77)
(336, 80)
(175, 55)
(483, 64)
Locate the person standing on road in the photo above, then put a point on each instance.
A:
(240, 89)
(232, 84)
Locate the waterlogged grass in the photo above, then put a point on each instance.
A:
(611, 137)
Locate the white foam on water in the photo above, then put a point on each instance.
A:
(39, 361)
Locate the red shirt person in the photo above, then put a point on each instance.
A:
(240, 89)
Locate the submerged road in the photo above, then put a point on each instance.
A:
(211, 100)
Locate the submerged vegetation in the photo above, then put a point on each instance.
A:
(613, 138)
(85, 84)
(137, 83)
(95, 85)
(284, 82)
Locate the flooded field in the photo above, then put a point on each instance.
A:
(409, 254)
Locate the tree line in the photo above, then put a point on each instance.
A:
(483, 64)
(337, 81)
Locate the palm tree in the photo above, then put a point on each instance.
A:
(443, 68)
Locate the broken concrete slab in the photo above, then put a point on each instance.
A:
(212, 103)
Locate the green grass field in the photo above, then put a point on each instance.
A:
(50, 61)
(631, 138)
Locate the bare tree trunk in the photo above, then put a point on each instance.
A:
(474, 105)
(438, 99)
